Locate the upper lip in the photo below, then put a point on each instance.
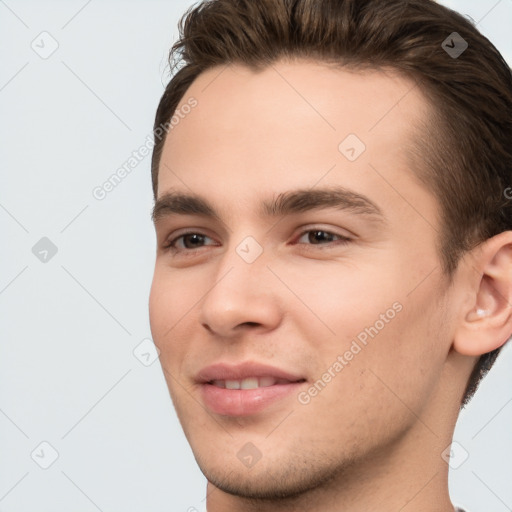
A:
(226, 371)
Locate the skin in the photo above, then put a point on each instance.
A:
(373, 438)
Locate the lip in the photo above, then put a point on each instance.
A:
(226, 371)
(244, 402)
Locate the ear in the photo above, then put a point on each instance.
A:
(486, 320)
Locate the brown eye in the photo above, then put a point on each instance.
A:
(187, 241)
(193, 240)
(321, 237)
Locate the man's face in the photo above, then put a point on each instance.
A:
(358, 284)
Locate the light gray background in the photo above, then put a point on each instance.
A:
(69, 376)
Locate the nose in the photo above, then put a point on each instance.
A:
(242, 297)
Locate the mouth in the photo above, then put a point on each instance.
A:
(245, 389)
(251, 382)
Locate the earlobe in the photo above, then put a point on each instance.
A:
(487, 322)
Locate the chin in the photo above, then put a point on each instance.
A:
(271, 478)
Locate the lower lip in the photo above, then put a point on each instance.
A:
(244, 402)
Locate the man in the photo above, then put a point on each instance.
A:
(334, 262)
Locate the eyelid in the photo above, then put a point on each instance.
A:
(174, 237)
(346, 234)
(342, 240)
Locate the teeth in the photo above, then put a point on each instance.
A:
(248, 383)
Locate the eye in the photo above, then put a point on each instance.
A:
(322, 237)
(187, 242)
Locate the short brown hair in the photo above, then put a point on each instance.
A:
(464, 155)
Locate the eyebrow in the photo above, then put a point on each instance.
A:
(286, 203)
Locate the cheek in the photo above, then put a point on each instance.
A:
(345, 302)
(372, 332)
(169, 302)
(158, 308)
(365, 390)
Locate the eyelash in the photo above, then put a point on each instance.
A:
(342, 240)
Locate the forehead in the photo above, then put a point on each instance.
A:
(294, 123)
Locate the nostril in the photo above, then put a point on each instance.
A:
(251, 324)
(207, 327)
